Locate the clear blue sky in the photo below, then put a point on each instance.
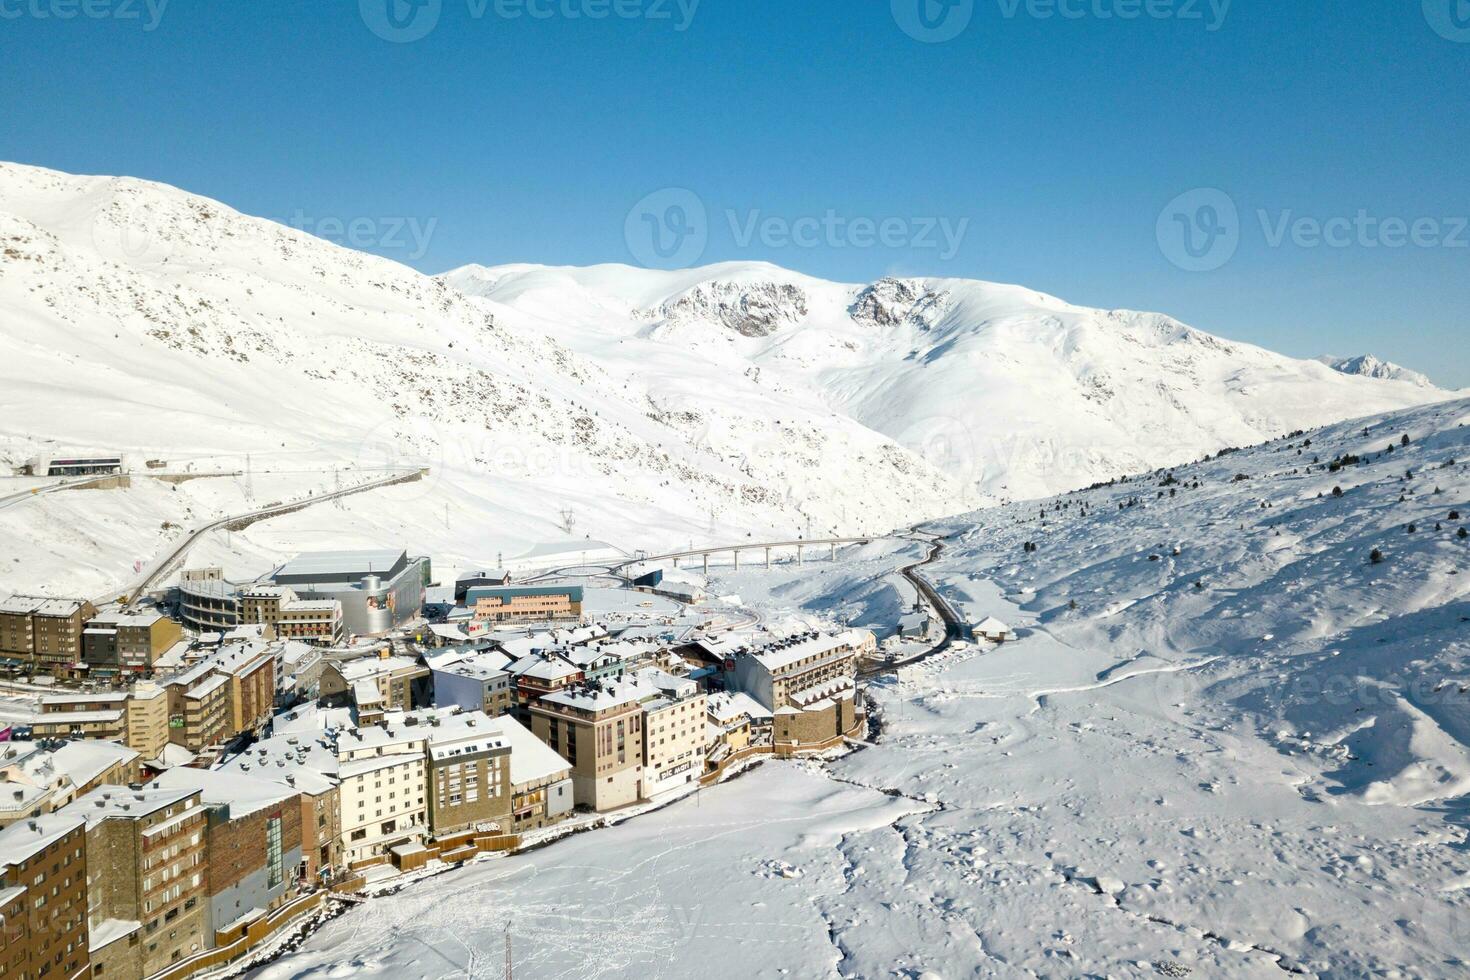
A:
(1060, 139)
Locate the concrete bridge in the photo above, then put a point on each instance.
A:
(801, 545)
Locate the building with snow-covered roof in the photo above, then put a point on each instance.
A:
(380, 590)
(673, 733)
(118, 644)
(994, 630)
(41, 777)
(304, 763)
(478, 683)
(469, 777)
(541, 780)
(44, 634)
(808, 681)
(43, 896)
(598, 728)
(402, 681)
(738, 720)
(148, 856)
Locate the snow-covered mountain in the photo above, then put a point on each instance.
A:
(1368, 366)
(1011, 392)
(139, 318)
(641, 408)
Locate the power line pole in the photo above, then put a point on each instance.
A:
(508, 962)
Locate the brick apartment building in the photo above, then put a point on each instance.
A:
(524, 603)
(43, 897)
(254, 841)
(291, 617)
(137, 718)
(147, 867)
(44, 634)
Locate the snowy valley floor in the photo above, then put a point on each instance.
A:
(1094, 830)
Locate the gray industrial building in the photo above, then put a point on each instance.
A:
(379, 590)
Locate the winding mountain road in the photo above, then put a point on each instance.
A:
(954, 625)
(239, 521)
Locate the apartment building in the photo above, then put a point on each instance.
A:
(469, 778)
(402, 683)
(305, 764)
(138, 718)
(541, 780)
(674, 737)
(524, 603)
(43, 898)
(535, 676)
(115, 644)
(230, 693)
(44, 634)
(147, 873)
(291, 617)
(43, 777)
(808, 681)
(598, 729)
(383, 779)
(478, 682)
(253, 833)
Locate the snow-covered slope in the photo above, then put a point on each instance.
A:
(1225, 744)
(139, 318)
(1014, 393)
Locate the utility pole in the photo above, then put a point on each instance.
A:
(508, 962)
